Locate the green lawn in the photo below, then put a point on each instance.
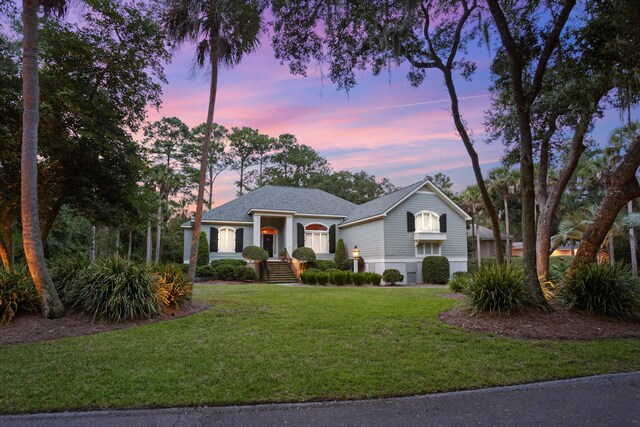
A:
(267, 343)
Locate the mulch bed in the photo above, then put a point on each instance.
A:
(531, 323)
(26, 328)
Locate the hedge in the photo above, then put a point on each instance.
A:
(435, 269)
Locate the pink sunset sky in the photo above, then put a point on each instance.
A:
(383, 126)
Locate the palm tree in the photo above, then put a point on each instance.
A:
(224, 31)
(571, 228)
(34, 253)
(502, 180)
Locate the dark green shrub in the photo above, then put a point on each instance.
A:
(472, 265)
(203, 250)
(376, 279)
(325, 265)
(322, 278)
(337, 277)
(348, 277)
(246, 274)
(558, 265)
(175, 287)
(358, 279)
(17, 294)
(348, 264)
(392, 276)
(64, 271)
(435, 269)
(206, 272)
(459, 281)
(114, 290)
(303, 278)
(601, 289)
(313, 270)
(312, 277)
(516, 261)
(255, 253)
(229, 261)
(341, 254)
(497, 288)
(304, 254)
(368, 278)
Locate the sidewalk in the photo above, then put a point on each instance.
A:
(592, 401)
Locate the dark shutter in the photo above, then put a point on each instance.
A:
(332, 239)
(411, 222)
(443, 223)
(239, 239)
(213, 240)
(300, 229)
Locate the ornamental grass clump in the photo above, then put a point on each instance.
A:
(64, 271)
(496, 288)
(174, 286)
(115, 290)
(601, 289)
(17, 294)
(459, 281)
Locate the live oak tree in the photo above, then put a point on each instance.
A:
(223, 32)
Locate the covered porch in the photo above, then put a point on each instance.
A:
(273, 231)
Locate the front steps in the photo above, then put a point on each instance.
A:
(280, 272)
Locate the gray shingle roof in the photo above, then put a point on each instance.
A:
(486, 233)
(278, 198)
(380, 205)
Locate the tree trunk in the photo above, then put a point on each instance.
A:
(633, 243)
(149, 243)
(612, 259)
(197, 226)
(158, 234)
(622, 188)
(50, 220)
(94, 245)
(573, 247)
(6, 245)
(129, 245)
(475, 163)
(4, 255)
(117, 243)
(478, 247)
(210, 204)
(506, 227)
(34, 253)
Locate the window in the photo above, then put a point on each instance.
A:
(317, 238)
(227, 239)
(427, 221)
(426, 249)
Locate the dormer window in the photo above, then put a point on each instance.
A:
(427, 221)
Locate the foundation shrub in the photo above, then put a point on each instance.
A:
(392, 276)
(322, 278)
(435, 269)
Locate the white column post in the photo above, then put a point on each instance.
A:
(288, 234)
(256, 230)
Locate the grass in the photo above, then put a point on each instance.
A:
(265, 343)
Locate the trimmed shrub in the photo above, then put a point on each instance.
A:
(497, 288)
(313, 270)
(368, 278)
(17, 294)
(303, 278)
(115, 289)
(435, 269)
(255, 253)
(472, 264)
(348, 277)
(459, 281)
(325, 265)
(64, 271)
(348, 264)
(234, 272)
(312, 277)
(376, 279)
(601, 289)
(203, 250)
(358, 279)
(392, 276)
(337, 277)
(229, 261)
(322, 278)
(175, 287)
(206, 272)
(304, 254)
(341, 253)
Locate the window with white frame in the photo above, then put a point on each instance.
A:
(227, 239)
(426, 249)
(427, 221)
(316, 237)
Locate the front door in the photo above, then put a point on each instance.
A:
(267, 244)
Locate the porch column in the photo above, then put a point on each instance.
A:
(288, 234)
(256, 230)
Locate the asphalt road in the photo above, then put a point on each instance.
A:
(604, 400)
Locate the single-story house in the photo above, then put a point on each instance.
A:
(562, 250)
(396, 230)
(487, 248)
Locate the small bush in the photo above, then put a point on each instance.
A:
(313, 270)
(325, 265)
(114, 290)
(203, 250)
(392, 276)
(304, 254)
(459, 281)
(229, 261)
(341, 253)
(348, 277)
(255, 253)
(497, 288)
(234, 272)
(368, 278)
(174, 286)
(303, 278)
(337, 277)
(358, 279)
(322, 278)
(17, 294)
(348, 264)
(376, 279)
(435, 269)
(206, 272)
(64, 271)
(601, 289)
(312, 277)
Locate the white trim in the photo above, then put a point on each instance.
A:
(417, 259)
(424, 192)
(368, 219)
(324, 232)
(271, 211)
(439, 246)
(233, 243)
(306, 215)
(275, 241)
(214, 222)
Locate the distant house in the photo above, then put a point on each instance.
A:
(562, 250)
(396, 230)
(487, 247)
